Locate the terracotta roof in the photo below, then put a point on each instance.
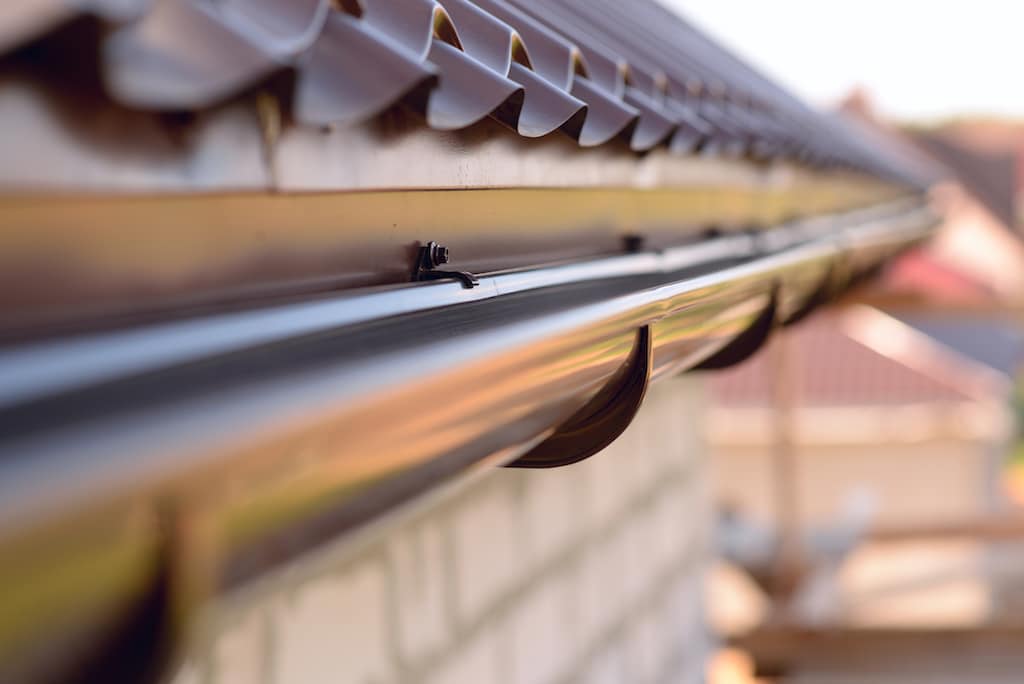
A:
(831, 368)
(593, 69)
(918, 273)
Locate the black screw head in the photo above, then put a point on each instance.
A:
(433, 255)
(440, 254)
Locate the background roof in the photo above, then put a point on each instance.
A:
(830, 368)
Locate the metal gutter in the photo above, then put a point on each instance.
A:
(32, 371)
(145, 472)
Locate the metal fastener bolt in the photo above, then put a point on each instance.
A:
(435, 255)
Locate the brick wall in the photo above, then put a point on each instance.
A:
(590, 573)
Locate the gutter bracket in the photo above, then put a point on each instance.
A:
(432, 255)
(468, 280)
(602, 419)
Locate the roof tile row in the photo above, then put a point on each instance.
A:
(594, 69)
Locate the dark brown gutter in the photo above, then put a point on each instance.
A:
(185, 459)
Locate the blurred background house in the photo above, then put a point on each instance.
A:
(875, 403)
(867, 465)
(975, 263)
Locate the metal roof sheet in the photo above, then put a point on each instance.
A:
(593, 69)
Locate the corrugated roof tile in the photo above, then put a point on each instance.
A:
(596, 69)
(389, 73)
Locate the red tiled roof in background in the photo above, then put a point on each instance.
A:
(831, 368)
(919, 275)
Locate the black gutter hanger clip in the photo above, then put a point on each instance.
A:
(433, 255)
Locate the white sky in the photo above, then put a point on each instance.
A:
(917, 59)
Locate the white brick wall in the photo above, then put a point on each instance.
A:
(417, 557)
(479, 660)
(489, 540)
(589, 573)
(240, 656)
(335, 630)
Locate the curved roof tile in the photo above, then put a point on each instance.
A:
(595, 69)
